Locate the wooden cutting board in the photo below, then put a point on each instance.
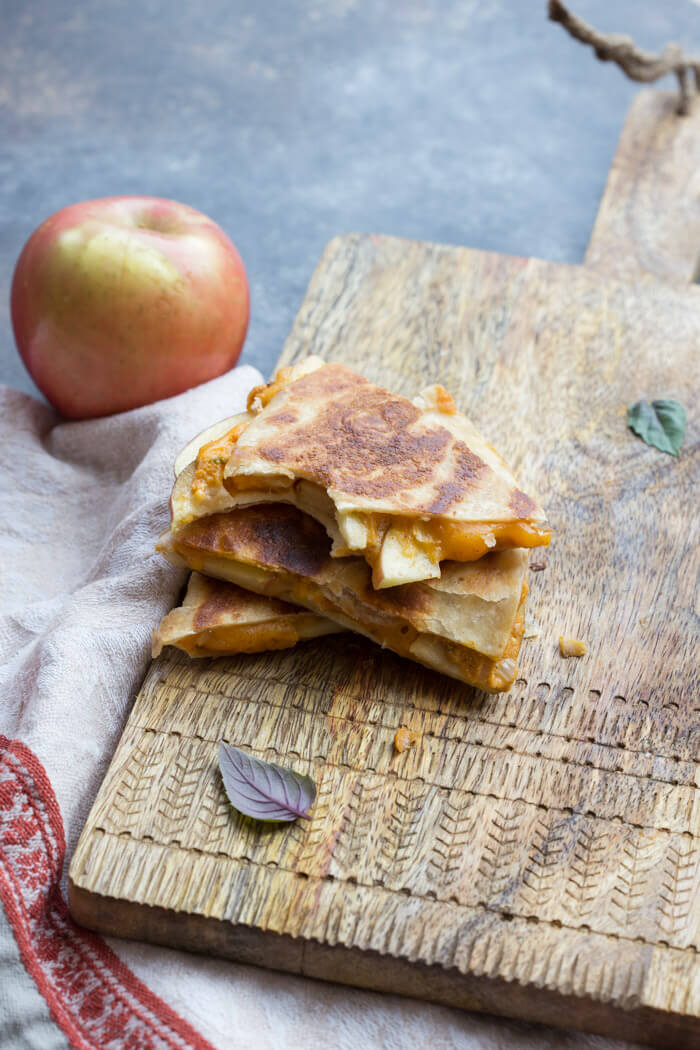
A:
(537, 854)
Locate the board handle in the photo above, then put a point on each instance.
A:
(648, 223)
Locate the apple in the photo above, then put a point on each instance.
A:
(122, 301)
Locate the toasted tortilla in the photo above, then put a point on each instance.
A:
(405, 484)
(217, 618)
(467, 624)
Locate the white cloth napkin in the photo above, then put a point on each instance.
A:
(80, 591)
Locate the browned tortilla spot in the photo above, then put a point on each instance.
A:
(364, 441)
(521, 504)
(220, 599)
(283, 418)
(467, 469)
(224, 600)
(274, 535)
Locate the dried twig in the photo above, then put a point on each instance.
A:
(637, 64)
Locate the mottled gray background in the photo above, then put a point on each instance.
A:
(473, 122)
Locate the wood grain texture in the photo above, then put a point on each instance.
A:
(649, 218)
(537, 853)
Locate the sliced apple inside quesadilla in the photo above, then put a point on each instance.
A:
(467, 624)
(217, 618)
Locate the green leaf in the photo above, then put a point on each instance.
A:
(661, 424)
(263, 790)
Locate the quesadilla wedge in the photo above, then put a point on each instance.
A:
(220, 619)
(405, 484)
(467, 624)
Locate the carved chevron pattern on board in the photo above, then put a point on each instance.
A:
(453, 835)
(544, 863)
(426, 842)
(182, 779)
(635, 861)
(317, 846)
(679, 889)
(398, 843)
(214, 816)
(133, 787)
(359, 827)
(587, 868)
(500, 851)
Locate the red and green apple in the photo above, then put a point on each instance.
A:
(122, 301)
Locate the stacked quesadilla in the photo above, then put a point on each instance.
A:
(389, 517)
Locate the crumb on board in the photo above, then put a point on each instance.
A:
(532, 629)
(538, 566)
(571, 646)
(405, 738)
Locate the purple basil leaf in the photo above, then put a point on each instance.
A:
(263, 790)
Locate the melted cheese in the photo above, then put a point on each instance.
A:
(248, 638)
(444, 402)
(467, 542)
(405, 550)
(444, 540)
(211, 460)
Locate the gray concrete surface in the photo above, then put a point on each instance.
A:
(473, 122)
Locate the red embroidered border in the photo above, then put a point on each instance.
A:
(97, 1001)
